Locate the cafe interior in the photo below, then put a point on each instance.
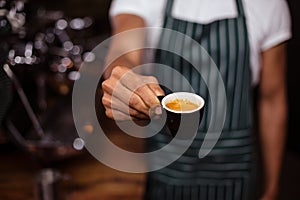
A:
(42, 156)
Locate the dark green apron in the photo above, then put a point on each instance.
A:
(227, 172)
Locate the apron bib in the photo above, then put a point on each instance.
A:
(227, 171)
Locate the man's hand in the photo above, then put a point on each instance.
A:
(129, 95)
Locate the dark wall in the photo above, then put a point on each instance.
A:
(80, 8)
(293, 77)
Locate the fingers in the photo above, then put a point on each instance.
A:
(118, 115)
(131, 94)
(116, 91)
(115, 104)
(146, 87)
(153, 84)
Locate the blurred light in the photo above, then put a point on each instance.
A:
(38, 44)
(67, 62)
(34, 59)
(61, 24)
(76, 50)
(11, 54)
(87, 22)
(64, 89)
(77, 60)
(3, 23)
(68, 45)
(89, 57)
(77, 24)
(18, 60)
(89, 128)
(2, 3)
(19, 5)
(28, 60)
(28, 49)
(78, 144)
(61, 68)
(50, 37)
(74, 75)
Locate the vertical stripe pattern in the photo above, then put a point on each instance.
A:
(227, 172)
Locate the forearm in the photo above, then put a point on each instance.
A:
(120, 61)
(125, 47)
(127, 94)
(273, 116)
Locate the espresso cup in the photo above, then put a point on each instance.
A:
(183, 119)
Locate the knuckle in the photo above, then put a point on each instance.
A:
(108, 113)
(105, 84)
(136, 104)
(106, 102)
(133, 102)
(108, 86)
(118, 70)
(140, 90)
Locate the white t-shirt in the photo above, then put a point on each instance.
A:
(268, 21)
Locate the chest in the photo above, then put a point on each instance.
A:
(204, 11)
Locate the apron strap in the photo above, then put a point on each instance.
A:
(240, 8)
(169, 7)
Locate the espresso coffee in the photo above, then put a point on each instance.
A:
(181, 105)
(184, 111)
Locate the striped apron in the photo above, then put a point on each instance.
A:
(228, 171)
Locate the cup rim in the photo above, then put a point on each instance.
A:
(183, 95)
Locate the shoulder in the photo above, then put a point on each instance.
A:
(266, 9)
(269, 20)
(146, 9)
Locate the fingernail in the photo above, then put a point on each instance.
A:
(157, 110)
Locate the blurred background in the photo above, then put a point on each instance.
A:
(42, 45)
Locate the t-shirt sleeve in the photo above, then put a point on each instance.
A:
(277, 25)
(145, 9)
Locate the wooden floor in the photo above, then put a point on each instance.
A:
(88, 179)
